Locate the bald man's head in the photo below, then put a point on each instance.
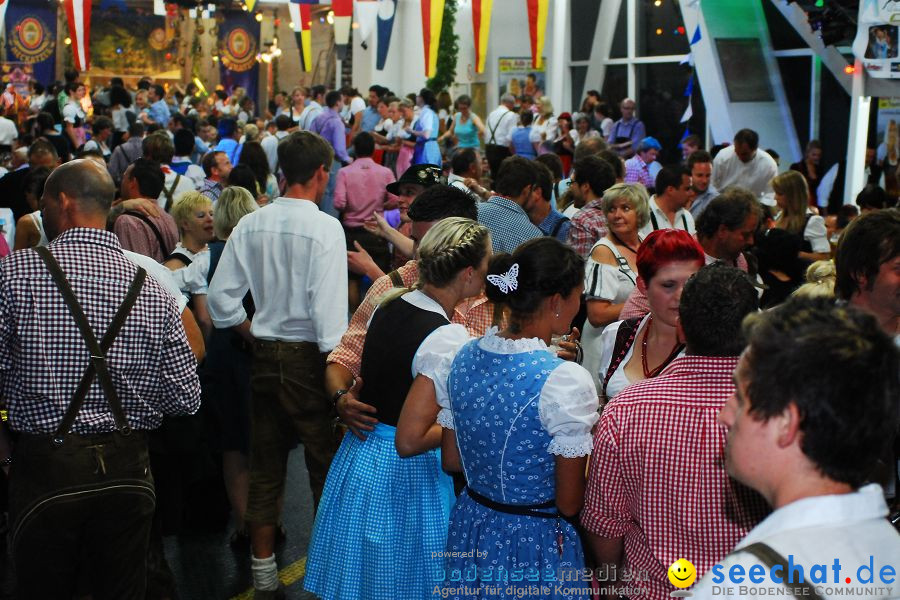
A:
(85, 181)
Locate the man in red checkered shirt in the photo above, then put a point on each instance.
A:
(592, 176)
(657, 486)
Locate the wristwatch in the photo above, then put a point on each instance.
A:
(337, 396)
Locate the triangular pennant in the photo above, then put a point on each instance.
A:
(689, 89)
(697, 36)
(687, 132)
(343, 18)
(432, 19)
(250, 4)
(481, 27)
(537, 29)
(78, 15)
(386, 11)
(366, 15)
(687, 60)
(301, 17)
(688, 113)
(4, 4)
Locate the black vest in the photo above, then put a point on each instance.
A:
(394, 335)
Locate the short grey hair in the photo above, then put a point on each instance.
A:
(635, 194)
(507, 98)
(234, 203)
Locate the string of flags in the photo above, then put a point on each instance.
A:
(689, 88)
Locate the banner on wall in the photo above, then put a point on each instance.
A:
(238, 47)
(518, 77)
(385, 25)
(878, 38)
(31, 38)
(888, 130)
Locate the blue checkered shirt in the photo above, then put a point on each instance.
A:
(43, 356)
(558, 221)
(508, 223)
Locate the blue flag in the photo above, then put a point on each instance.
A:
(697, 37)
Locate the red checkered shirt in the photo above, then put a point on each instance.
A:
(588, 226)
(637, 171)
(657, 477)
(43, 356)
(349, 352)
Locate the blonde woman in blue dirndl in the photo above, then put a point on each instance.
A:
(382, 522)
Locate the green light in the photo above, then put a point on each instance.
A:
(820, 3)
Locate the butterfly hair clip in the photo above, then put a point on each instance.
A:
(508, 282)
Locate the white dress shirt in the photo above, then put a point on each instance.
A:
(502, 122)
(293, 259)
(270, 146)
(755, 175)
(8, 132)
(683, 220)
(848, 528)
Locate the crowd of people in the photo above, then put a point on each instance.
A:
(523, 358)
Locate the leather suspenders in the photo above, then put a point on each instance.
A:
(98, 365)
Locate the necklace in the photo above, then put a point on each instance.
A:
(618, 239)
(647, 372)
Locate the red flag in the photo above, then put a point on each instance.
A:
(481, 27)
(537, 29)
(78, 14)
(432, 19)
(343, 17)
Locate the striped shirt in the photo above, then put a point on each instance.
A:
(43, 356)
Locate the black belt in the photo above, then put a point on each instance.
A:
(527, 510)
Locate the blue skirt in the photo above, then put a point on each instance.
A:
(492, 554)
(382, 522)
(427, 152)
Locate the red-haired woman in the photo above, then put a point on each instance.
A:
(640, 348)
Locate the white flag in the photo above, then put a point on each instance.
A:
(688, 113)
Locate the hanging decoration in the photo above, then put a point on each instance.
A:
(238, 47)
(78, 15)
(689, 88)
(366, 15)
(32, 37)
(4, 4)
(250, 4)
(481, 27)
(875, 44)
(537, 29)
(301, 17)
(385, 24)
(432, 19)
(343, 17)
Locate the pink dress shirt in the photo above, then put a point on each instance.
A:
(361, 191)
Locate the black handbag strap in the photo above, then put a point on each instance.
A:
(98, 351)
(771, 558)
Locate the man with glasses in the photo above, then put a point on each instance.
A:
(627, 132)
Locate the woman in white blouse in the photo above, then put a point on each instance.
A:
(792, 197)
(632, 350)
(517, 422)
(611, 272)
(545, 127)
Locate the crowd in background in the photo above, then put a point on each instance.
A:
(574, 325)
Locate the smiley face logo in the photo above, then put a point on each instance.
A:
(682, 573)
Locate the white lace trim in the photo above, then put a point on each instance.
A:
(445, 418)
(571, 447)
(491, 342)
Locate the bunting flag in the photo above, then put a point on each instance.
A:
(385, 24)
(697, 36)
(250, 4)
(481, 27)
(537, 29)
(4, 4)
(78, 14)
(688, 113)
(689, 89)
(366, 15)
(432, 20)
(301, 17)
(343, 17)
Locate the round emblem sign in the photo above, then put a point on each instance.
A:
(30, 42)
(239, 52)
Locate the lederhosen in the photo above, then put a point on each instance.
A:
(656, 223)
(62, 470)
(495, 153)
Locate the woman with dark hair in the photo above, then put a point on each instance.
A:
(809, 168)
(121, 112)
(73, 114)
(640, 348)
(425, 131)
(243, 176)
(385, 510)
(467, 127)
(254, 157)
(517, 422)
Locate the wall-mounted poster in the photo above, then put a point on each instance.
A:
(519, 78)
(31, 38)
(876, 43)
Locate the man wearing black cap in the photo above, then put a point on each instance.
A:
(413, 182)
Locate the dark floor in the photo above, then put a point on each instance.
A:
(206, 568)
